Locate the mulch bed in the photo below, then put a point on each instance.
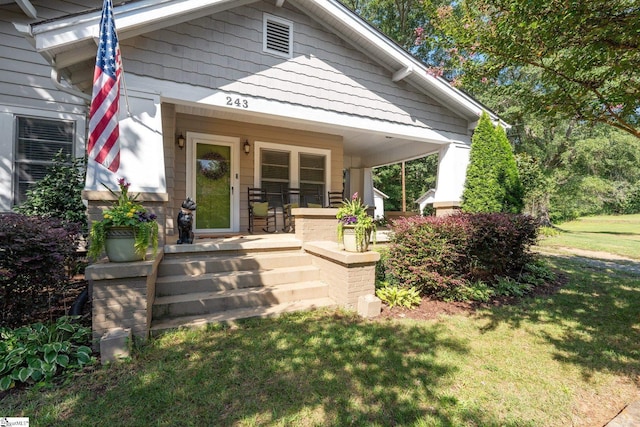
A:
(432, 309)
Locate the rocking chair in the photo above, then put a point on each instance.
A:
(259, 209)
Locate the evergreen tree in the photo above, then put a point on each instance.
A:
(482, 190)
(508, 177)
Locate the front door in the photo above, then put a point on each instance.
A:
(211, 181)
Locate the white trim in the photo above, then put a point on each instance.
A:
(181, 93)
(28, 8)
(131, 19)
(294, 150)
(234, 144)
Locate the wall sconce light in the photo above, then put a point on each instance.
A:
(180, 141)
(246, 147)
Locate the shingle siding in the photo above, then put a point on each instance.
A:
(224, 51)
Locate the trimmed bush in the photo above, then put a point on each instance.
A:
(428, 253)
(499, 244)
(35, 254)
(437, 254)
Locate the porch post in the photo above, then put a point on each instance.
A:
(452, 170)
(141, 159)
(141, 147)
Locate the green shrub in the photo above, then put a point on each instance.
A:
(35, 255)
(38, 353)
(393, 295)
(549, 231)
(508, 287)
(382, 264)
(537, 273)
(475, 291)
(59, 193)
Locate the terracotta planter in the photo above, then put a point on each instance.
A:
(350, 241)
(119, 245)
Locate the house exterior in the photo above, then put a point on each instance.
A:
(427, 198)
(282, 93)
(378, 203)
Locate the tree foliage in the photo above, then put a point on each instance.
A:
(563, 74)
(420, 176)
(578, 59)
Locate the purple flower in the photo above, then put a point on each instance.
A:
(123, 183)
(348, 220)
(355, 196)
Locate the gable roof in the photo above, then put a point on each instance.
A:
(429, 194)
(69, 40)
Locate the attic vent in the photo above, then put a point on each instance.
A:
(278, 36)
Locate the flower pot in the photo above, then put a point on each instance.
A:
(119, 245)
(350, 240)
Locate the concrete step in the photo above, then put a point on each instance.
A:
(230, 316)
(239, 244)
(219, 301)
(229, 280)
(198, 264)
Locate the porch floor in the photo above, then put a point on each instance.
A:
(232, 241)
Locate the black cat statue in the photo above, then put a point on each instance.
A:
(185, 222)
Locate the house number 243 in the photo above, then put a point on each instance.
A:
(237, 102)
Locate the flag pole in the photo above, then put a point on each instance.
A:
(104, 128)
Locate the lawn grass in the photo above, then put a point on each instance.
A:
(571, 358)
(619, 234)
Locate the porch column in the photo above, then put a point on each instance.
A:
(141, 147)
(452, 170)
(141, 159)
(361, 180)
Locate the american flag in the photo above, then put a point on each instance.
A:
(104, 131)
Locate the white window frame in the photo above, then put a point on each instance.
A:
(294, 166)
(271, 18)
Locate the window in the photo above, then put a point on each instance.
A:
(37, 142)
(274, 165)
(312, 173)
(288, 166)
(277, 36)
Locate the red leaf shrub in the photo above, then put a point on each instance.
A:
(437, 253)
(34, 255)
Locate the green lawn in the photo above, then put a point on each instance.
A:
(618, 235)
(572, 358)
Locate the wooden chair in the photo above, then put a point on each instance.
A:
(260, 209)
(311, 199)
(335, 199)
(290, 200)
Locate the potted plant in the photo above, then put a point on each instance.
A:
(355, 226)
(126, 230)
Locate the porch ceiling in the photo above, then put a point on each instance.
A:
(363, 148)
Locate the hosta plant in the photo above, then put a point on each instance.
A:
(37, 353)
(393, 295)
